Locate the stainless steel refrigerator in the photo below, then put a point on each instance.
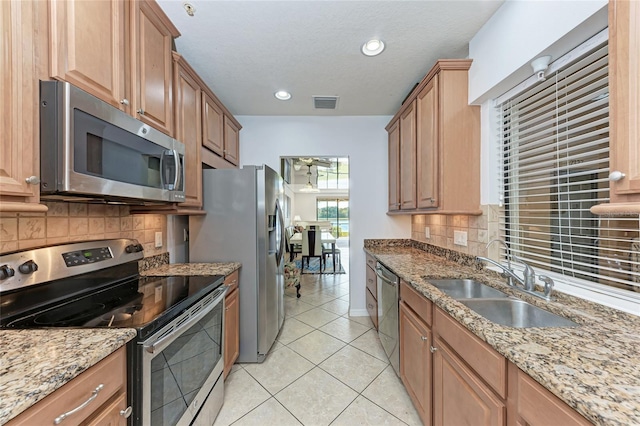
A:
(245, 223)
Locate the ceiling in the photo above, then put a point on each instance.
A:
(247, 50)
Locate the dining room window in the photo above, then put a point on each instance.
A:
(336, 211)
(554, 149)
(336, 176)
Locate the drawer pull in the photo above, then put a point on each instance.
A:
(93, 396)
(423, 338)
(432, 349)
(126, 413)
(370, 306)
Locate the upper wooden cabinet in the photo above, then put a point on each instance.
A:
(394, 165)
(88, 47)
(440, 144)
(188, 98)
(152, 34)
(231, 140)
(624, 106)
(119, 51)
(22, 63)
(212, 125)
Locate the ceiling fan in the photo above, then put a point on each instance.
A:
(310, 161)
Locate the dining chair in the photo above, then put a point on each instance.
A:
(296, 248)
(327, 250)
(311, 246)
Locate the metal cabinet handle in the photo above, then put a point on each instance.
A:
(124, 101)
(126, 413)
(141, 111)
(93, 396)
(423, 338)
(432, 349)
(32, 180)
(370, 306)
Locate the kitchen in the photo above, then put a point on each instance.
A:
(265, 138)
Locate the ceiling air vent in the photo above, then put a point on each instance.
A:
(325, 102)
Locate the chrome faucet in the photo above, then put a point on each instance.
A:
(506, 273)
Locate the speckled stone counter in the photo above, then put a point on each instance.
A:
(34, 363)
(594, 368)
(221, 268)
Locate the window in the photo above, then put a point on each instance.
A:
(336, 176)
(555, 153)
(335, 211)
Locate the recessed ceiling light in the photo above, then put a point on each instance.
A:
(373, 47)
(283, 95)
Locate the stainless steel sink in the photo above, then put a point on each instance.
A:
(466, 289)
(516, 313)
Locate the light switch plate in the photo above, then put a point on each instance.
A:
(460, 238)
(427, 232)
(158, 239)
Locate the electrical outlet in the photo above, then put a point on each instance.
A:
(460, 238)
(427, 232)
(158, 239)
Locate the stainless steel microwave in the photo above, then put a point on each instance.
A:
(91, 150)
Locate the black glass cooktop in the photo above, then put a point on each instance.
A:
(144, 303)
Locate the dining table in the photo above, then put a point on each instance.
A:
(325, 238)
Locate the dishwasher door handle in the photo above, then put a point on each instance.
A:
(385, 279)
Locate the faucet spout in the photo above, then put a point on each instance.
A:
(506, 272)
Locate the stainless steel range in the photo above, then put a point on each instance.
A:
(174, 364)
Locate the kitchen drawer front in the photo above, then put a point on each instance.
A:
(539, 407)
(371, 282)
(371, 261)
(372, 308)
(488, 364)
(232, 280)
(110, 372)
(417, 302)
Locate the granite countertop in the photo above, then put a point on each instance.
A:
(214, 268)
(34, 363)
(594, 368)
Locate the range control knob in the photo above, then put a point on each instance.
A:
(133, 248)
(6, 271)
(28, 267)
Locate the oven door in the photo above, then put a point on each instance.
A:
(182, 366)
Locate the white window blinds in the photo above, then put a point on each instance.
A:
(555, 156)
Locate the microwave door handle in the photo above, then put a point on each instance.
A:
(162, 184)
(176, 162)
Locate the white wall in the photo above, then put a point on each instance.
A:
(264, 139)
(521, 31)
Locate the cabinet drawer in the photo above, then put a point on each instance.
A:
(110, 373)
(488, 364)
(372, 283)
(371, 261)
(538, 406)
(417, 302)
(232, 280)
(372, 308)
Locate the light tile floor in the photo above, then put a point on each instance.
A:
(325, 368)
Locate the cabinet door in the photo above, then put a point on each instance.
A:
(231, 141)
(624, 87)
(212, 125)
(231, 331)
(372, 307)
(427, 145)
(113, 414)
(19, 101)
(408, 158)
(188, 98)
(459, 397)
(415, 361)
(151, 53)
(88, 47)
(394, 167)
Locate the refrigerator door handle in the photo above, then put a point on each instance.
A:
(281, 245)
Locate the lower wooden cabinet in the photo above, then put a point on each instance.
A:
(371, 292)
(103, 386)
(459, 396)
(232, 323)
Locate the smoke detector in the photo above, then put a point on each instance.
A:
(325, 102)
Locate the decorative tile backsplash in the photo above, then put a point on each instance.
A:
(68, 222)
(480, 230)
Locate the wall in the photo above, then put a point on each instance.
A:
(264, 139)
(67, 222)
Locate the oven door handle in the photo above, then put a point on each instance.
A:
(161, 344)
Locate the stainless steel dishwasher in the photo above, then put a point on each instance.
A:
(388, 329)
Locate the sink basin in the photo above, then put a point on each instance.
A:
(516, 313)
(466, 289)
